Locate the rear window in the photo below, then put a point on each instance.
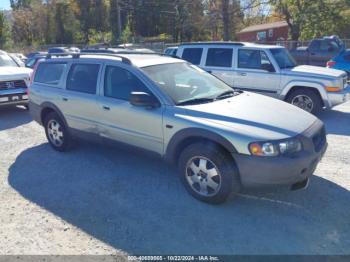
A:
(49, 73)
(83, 78)
(219, 57)
(192, 55)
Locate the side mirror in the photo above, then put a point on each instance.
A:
(268, 68)
(142, 99)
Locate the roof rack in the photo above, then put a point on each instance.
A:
(214, 43)
(78, 55)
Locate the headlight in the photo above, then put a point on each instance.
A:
(283, 147)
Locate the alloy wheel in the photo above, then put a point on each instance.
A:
(203, 176)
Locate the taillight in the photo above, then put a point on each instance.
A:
(330, 64)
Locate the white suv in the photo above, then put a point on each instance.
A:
(269, 70)
(14, 81)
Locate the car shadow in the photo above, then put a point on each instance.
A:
(11, 117)
(337, 122)
(135, 202)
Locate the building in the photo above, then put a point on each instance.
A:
(276, 31)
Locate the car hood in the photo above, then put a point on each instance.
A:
(257, 116)
(314, 71)
(14, 73)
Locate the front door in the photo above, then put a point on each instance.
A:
(123, 122)
(256, 73)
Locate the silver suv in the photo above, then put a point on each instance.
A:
(220, 138)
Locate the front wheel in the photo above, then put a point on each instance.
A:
(208, 173)
(306, 99)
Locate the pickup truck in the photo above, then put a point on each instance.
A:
(14, 81)
(319, 51)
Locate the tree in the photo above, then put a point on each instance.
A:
(308, 19)
(4, 31)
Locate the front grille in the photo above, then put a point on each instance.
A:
(6, 85)
(319, 139)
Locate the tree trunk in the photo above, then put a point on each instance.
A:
(226, 19)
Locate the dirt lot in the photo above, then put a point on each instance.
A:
(97, 200)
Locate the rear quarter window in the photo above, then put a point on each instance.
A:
(50, 73)
(192, 55)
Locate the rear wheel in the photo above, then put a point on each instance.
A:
(56, 132)
(208, 173)
(306, 99)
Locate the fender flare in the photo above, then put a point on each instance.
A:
(307, 84)
(195, 133)
(54, 108)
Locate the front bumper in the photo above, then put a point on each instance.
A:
(338, 98)
(284, 170)
(13, 97)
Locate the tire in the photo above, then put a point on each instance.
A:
(57, 133)
(306, 99)
(195, 162)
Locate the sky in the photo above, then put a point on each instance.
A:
(4, 4)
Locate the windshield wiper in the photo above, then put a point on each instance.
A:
(227, 94)
(195, 101)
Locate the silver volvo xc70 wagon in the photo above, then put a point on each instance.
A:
(220, 138)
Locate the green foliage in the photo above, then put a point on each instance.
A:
(39, 22)
(308, 19)
(4, 31)
(126, 36)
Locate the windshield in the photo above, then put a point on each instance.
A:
(185, 82)
(283, 58)
(6, 60)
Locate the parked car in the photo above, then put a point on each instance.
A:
(341, 62)
(14, 81)
(30, 55)
(269, 70)
(31, 62)
(20, 56)
(319, 51)
(171, 51)
(102, 50)
(17, 60)
(58, 50)
(220, 138)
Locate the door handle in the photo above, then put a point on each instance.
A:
(243, 74)
(65, 99)
(106, 108)
(313, 54)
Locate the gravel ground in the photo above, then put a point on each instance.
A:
(99, 200)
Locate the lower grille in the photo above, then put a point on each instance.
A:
(6, 85)
(319, 139)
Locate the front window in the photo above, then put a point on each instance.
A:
(6, 60)
(283, 58)
(185, 82)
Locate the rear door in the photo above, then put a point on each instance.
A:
(219, 62)
(251, 73)
(79, 101)
(123, 122)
